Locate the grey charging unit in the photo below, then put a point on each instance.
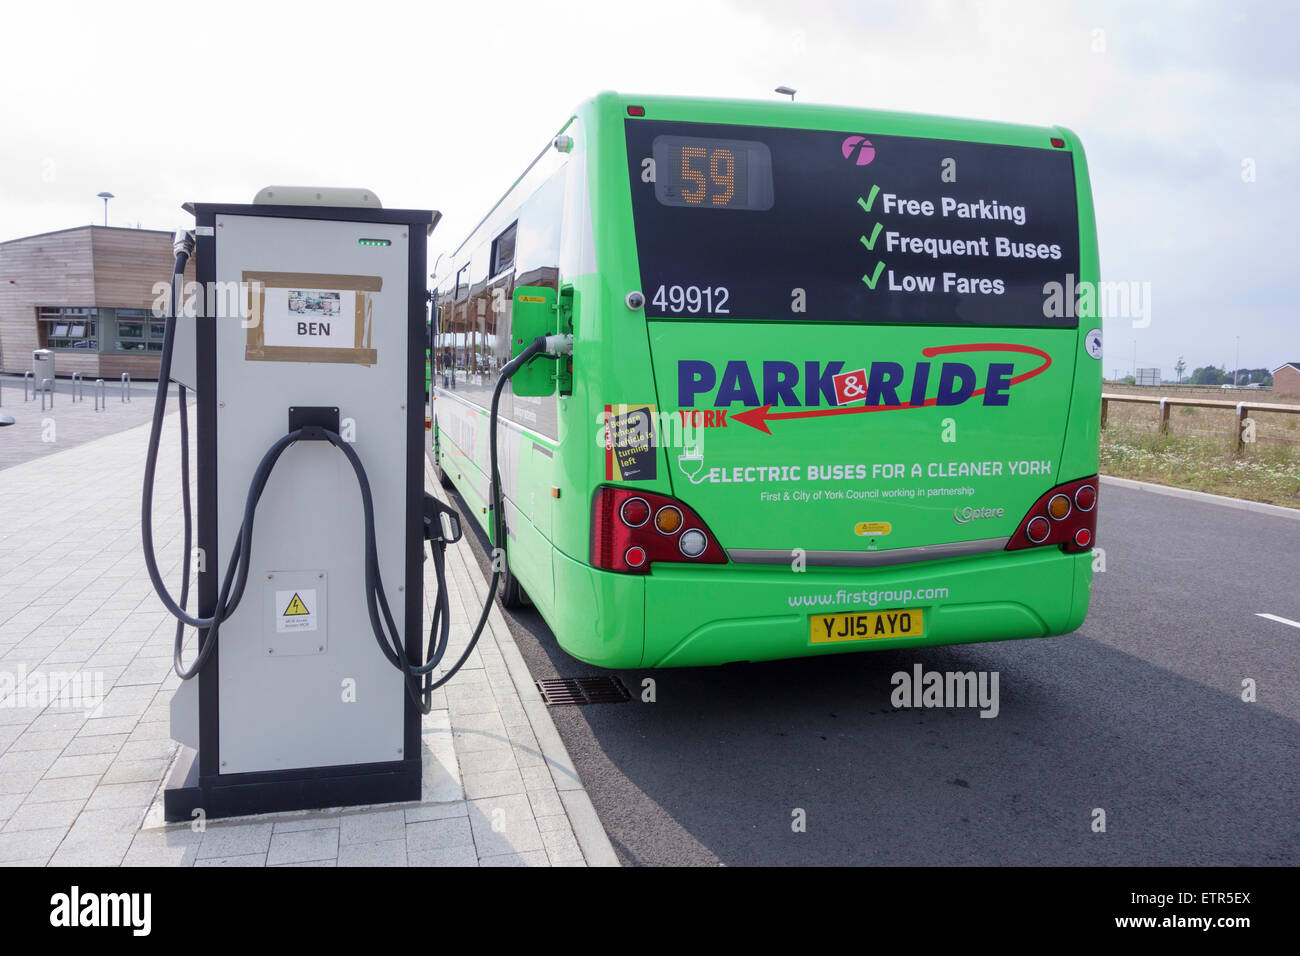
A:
(297, 708)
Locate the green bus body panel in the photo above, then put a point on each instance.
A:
(681, 615)
(991, 598)
(913, 469)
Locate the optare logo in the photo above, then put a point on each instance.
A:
(859, 145)
(968, 514)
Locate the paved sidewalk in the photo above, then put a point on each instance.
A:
(69, 420)
(85, 682)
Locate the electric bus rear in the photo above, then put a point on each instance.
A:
(835, 380)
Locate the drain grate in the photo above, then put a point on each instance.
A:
(583, 690)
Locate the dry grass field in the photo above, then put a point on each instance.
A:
(1197, 452)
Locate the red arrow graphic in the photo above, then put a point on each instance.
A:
(759, 417)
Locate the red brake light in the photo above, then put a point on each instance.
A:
(1052, 521)
(636, 111)
(623, 538)
(635, 512)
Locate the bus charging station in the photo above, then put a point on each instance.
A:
(305, 342)
(295, 708)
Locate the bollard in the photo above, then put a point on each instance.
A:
(126, 387)
(47, 382)
(101, 399)
(26, 376)
(78, 379)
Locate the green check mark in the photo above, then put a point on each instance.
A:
(870, 200)
(871, 243)
(875, 276)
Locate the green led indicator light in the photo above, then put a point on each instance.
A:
(374, 242)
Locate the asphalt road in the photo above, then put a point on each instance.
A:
(1139, 713)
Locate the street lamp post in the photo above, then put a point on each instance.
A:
(106, 197)
(789, 91)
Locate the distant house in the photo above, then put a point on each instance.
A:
(1286, 379)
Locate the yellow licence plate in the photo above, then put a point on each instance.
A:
(865, 625)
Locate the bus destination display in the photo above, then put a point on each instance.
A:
(850, 227)
(712, 173)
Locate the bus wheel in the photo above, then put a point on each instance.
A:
(510, 592)
(437, 467)
(442, 477)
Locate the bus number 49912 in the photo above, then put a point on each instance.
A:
(711, 300)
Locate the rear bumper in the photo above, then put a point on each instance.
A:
(694, 616)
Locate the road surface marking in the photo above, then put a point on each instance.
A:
(1280, 620)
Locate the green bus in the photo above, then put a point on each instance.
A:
(834, 383)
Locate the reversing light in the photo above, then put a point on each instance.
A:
(693, 542)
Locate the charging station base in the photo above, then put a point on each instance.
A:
(239, 794)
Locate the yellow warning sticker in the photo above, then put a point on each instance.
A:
(296, 610)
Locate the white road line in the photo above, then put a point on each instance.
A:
(1280, 620)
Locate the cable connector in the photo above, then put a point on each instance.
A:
(559, 344)
(441, 524)
(183, 241)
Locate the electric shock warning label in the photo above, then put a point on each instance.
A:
(295, 610)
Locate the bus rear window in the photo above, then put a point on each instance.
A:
(740, 222)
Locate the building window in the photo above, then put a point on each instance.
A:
(138, 330)
(64, 327)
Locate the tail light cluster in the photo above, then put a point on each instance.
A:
(632, 529)
(1065, 516)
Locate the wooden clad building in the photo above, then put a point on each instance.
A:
(87, 294)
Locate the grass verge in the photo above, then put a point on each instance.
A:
(1270, 474)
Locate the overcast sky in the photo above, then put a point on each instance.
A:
(441, 105)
